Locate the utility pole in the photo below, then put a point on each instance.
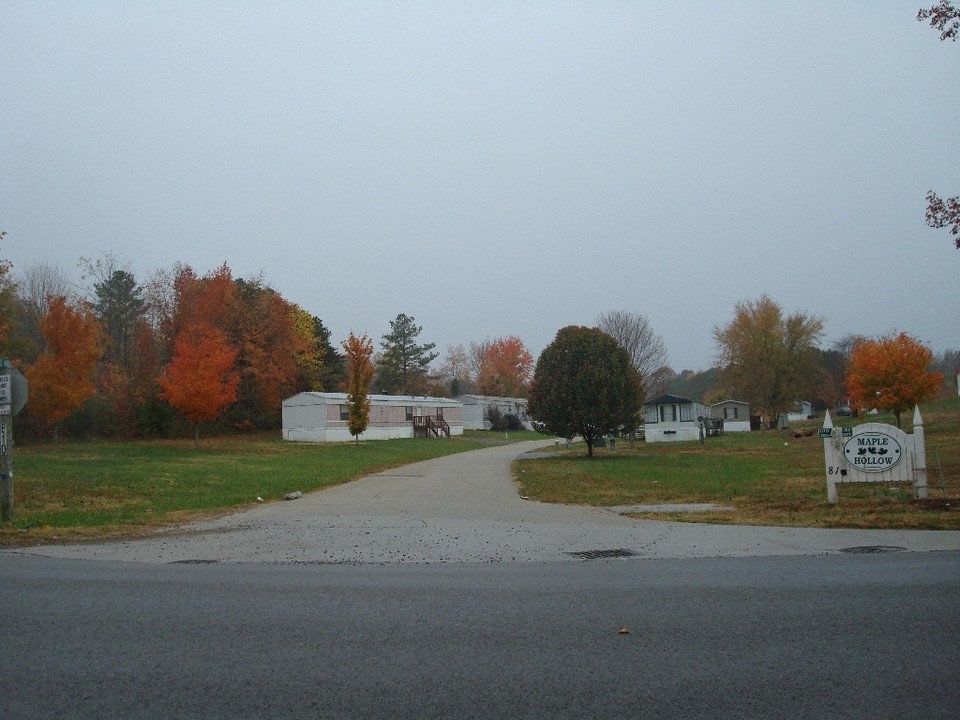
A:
(13, 396)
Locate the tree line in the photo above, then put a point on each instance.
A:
(121, 358)
(587, 384)
(124, 358)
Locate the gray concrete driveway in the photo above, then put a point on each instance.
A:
(463, 508)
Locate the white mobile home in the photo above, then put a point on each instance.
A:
(475, 410)
(322, 417)
(802, 410)
(671, 419)
(735, 415)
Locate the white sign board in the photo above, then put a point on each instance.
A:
(874, 452)
(13, 390)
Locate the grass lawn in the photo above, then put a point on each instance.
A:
(769, 477)
(75, 490)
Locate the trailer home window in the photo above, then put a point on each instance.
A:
(668, 413)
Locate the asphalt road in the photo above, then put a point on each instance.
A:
(834, 636)
(435, 591)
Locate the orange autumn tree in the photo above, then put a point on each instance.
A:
(200, 382)
(258, 323)
(891, 374)
(201, 300)
(61, 380)
(505, 368)
(360, 371)
(260, 326)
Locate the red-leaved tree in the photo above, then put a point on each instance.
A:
(945, 17)
(61, 380)
(943, 212)
(506, 368)
(891, 374)
(200, 381)
(260, 327)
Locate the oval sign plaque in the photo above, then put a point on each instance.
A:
(872, 451)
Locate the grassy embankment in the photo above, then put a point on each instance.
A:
(769, 477)
(76, 490)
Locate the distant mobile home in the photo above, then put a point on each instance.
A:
(735, 415)
(802, 410)
(672, 419)
(322, 417)
(475, 410)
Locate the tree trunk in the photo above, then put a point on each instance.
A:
(196, 435)
(589, 447)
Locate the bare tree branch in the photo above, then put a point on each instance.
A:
(633, 333)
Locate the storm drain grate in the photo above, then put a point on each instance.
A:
(601, 554)
(872, 549)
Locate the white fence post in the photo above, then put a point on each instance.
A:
(830, 456)
(920, 456)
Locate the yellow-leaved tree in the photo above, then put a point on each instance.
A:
(358, 350)
(769, 359)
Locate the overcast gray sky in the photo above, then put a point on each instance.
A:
(496, 168)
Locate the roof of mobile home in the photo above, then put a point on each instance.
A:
(326, 398)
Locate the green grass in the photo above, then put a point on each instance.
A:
(724, 468)
(99, 489)
(768, 477)
(123, 488)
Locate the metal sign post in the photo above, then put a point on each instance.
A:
(6, 469)
(13, 396)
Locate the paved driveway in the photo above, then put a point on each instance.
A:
(463, 508)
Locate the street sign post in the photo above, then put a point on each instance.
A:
(13, 396)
